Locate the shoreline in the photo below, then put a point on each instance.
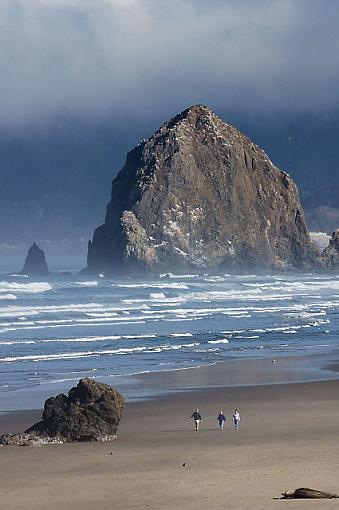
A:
(230, 373)
(229, 376)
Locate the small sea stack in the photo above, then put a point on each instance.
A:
(35, 262)
(330, 256)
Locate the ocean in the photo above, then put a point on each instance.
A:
(55, 331)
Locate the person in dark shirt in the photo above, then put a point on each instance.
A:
(221, 420)
(197, 418)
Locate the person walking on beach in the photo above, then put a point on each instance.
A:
(236, 419)
(197, 418)
(221, 420)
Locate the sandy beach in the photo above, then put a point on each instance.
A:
(288, 438)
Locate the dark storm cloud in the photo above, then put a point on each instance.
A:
(92, 58)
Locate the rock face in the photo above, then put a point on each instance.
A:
(200, 194)
(330, 256)
(90, 412)
(35, 262)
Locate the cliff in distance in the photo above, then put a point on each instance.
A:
(199, 194)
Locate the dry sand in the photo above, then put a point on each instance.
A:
(288, 438)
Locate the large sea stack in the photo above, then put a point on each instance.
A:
(200, 194)
(35, 262)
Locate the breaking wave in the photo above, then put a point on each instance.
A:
(50, 331)
(27, 288)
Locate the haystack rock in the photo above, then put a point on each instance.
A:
(35, 262)
(90, 412)
(200, 194)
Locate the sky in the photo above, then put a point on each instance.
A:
(82, 81)
(131, 57)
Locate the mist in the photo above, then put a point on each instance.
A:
(134, 57)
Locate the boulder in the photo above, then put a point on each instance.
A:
(35, 262)
(90, 412)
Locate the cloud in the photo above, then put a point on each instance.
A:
(133, 57)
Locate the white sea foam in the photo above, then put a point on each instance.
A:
(26, 288)
(152, 285)
(169, 347)
(222, 341)
(307, 315)
(88, 354)
(121, 321)
(104, 338)
(249, 337)
(296, 287)
(202, 351)
(181, 334)
(69, 355)
(233, 332)
(181, 319)
(65, 379)
(152, 300)
(8, 297)
(103, 315)
(137, 337)
(180, 276)
(82, 339)
(14, 311)
(91, 283)
(17, 342)
(157, 295)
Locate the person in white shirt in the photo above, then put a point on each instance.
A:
(236, 419)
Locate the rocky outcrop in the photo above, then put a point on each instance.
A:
(330, 256)
(27, 439)
(200, 194)
(90, 412)
(35, 262)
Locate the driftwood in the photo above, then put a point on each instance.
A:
(306, 493)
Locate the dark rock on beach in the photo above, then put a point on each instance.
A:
(306, 493)
(199, 194)
(35, 262)
(90, 412)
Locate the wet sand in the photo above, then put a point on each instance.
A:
(288, 438)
